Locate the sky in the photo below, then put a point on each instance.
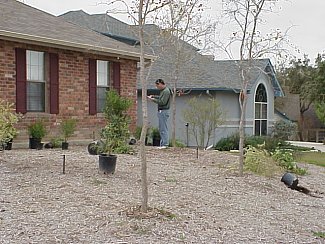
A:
(304, 17)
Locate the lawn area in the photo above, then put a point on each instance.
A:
(316, 158)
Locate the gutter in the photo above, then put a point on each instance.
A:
(203, 89)
(32, 39)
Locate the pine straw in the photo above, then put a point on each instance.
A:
(190, 200)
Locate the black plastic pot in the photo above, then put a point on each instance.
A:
(8, 145)
(65, 145)
(34, 143)
(40, 146)
(92, 148)
(290, 180)
(107, 163)
(156, 141)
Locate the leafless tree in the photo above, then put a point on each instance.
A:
(140, 11)
(184, 29)
(247, 16)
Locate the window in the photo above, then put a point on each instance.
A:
(35, 69)
(37, 81)
(103, 75)
(260, 111)
(103, 82)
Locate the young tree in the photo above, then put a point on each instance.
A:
(247, 37)
(140, 11)
(205, 116)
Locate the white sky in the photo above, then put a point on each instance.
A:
(306, 17)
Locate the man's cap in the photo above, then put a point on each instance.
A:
(160, 81)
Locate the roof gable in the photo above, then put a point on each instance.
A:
(23, 23)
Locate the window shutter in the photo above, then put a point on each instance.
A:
(21, 106)
(54, 83)
(116, 77)
(92, 87)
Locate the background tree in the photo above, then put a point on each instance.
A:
(320, 78)
(305, 80)
(320, 88)
(320, 112)
(247, 16)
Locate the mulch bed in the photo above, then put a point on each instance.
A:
(191, 200)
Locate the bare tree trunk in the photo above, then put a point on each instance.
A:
(144, 180)
(301, 126)
(174, 104)
(174, 116)
(242, 102)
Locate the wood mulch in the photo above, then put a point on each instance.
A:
(190, 200)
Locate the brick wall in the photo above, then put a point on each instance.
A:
(73, 90)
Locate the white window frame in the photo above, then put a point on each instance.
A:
(260, 112)
(35, 74)
(103, 75)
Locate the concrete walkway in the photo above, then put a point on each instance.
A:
(317, 146)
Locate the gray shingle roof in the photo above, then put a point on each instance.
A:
(20, 21)
(102, 23)
(195, 70)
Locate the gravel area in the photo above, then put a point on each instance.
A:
(191, 200)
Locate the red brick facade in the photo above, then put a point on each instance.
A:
(73, 89)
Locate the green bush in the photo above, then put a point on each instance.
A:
(177, 144)
(285, 159)
(37, 129)
(67, 128)
(232, 142)
(8, 120)
(259, 161)
(116, 132)
(138, 132)
(269, 143)
(284, 130)
(228, 143)
(56, 142)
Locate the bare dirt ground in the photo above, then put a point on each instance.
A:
(194, 200)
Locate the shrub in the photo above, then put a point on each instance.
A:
(138, 132)
(270, 143)
(232, 142)
(259, 161)
(7, 121)
(177, 144)
(204, 117)
(56, 142)
(116, 132)
(284, 130)
(67, 128)
(228, 143)
(285, 159)
(37, 129)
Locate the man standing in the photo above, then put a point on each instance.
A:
(163, 101)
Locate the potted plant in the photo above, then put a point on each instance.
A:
(155, 137)
(8, 119)
(36, 131)
(67, 128)
(116, 132)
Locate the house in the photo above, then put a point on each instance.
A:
(197, 75)
(51, 69)
(221, 80)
